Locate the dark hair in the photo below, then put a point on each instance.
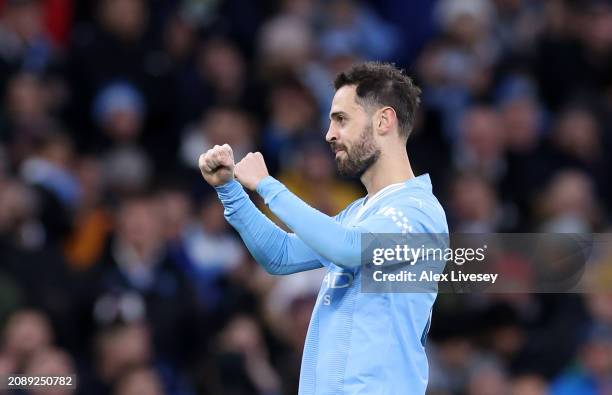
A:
(382, 84)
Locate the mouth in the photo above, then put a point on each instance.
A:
(336, 149)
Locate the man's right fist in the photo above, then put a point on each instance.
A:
(217, 165)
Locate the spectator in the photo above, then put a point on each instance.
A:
(529, 385)
(219, 125)
(137, 265)
(243, 359)
(26, 119)
(474, 206)
(119, 110)
(457, 67)
(23, 43)
(119, 348)
(355, 28)
(481, 145)
(92, 221)
(210, 252)
(592, 373)
(569, 204)
(139, 381)
(286, 127)
(50, 168)
(488, 379)
(53, 362)
(26, 332)
(577, 142)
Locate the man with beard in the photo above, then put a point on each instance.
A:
(357, 342)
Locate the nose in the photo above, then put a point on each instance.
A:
(331, 134)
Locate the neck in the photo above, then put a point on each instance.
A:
(389, 169)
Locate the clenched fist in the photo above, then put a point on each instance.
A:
(217, 165)
(251, 170)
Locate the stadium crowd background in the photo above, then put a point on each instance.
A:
(116, 263)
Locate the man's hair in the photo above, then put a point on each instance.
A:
(382, 84)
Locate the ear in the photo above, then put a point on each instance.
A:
(386, 120)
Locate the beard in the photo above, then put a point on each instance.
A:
(360, 157)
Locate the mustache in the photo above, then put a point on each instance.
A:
(335, 147)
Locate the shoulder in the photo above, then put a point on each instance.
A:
(347, 210)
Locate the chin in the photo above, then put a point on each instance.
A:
(348, 173)
(340, 165)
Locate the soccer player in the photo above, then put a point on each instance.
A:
(357, 343)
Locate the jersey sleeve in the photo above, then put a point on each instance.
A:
(338, 243)
(277, 251)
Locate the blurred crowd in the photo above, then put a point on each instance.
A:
(116, 263)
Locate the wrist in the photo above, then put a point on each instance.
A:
(228, 187)
(268, 188)
(263, 182)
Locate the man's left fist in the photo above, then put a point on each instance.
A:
(251, 170)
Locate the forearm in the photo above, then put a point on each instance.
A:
(330, 239)
(276, 250)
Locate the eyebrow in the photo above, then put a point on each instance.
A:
(336, 114)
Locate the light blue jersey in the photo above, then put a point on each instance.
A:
(357, 343)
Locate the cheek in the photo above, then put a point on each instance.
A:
(349, 134)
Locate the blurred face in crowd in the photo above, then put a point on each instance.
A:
(284, 100)
(211, 215)
(51, 362)
(529, 385)
(123, 124)
(121, 348)
(125, 18)
(578, 134)
(487, 380)
(242, 335)
(316, 165)
(26, 19)
(473, 199)
(483, 134)
(176, 210)
(140, 225)
(58, 150)
(455, 352)
(520, 120)
(596, 356)
(468, 29)
(138, 382)
(301, 8)
(179, 37)
(351, 134)
(597, 27)
(26, 332)
(285, 45)
(26, 98)
(570, 193)
(17, 204)
(231, 126)
(600, 304)
(222, 64)
(225, 123)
